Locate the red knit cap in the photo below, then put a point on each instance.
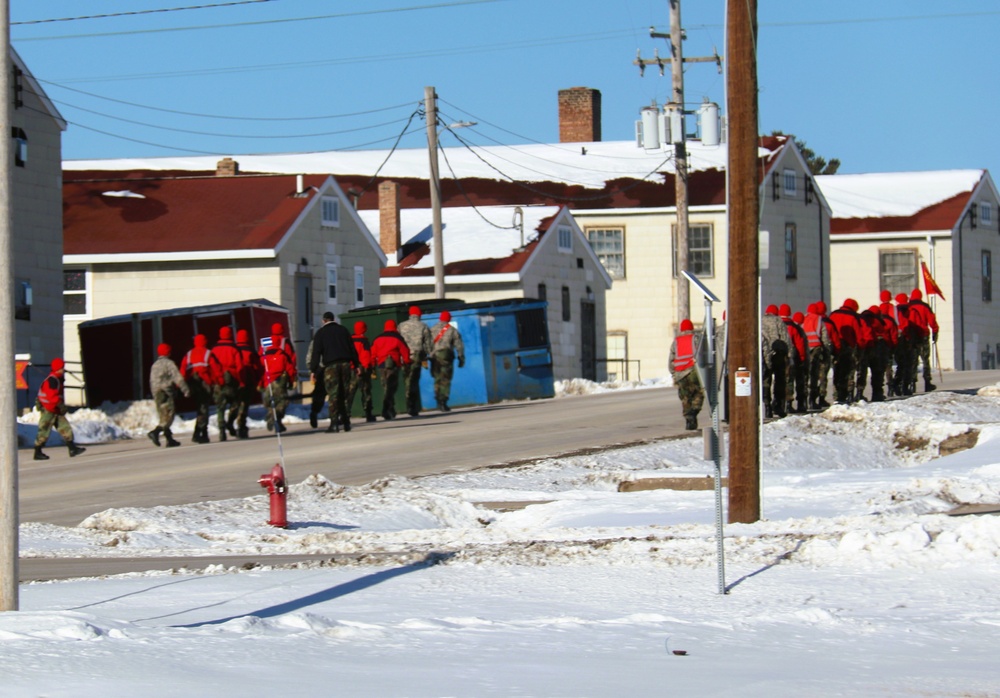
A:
(785, 310)
(58, 364)
(415, 310)
(163, 349)
(225, 333)
(901, 298)
(277, 329)
(686, 325)
(200, 340)
(242, 337)
(885, 296)
(771, 310)
(445, 316)
(390, 325)
(916, 295)
(360, 327)
(798, 317)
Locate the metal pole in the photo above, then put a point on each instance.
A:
(430, 107)
(712, 387)
(8, 435)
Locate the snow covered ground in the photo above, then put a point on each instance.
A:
(855, 583)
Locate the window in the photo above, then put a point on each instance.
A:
(788, 179)
(22, 299)
(331, 284)
(543, 292)
(609, 246)
(987, 261)
(565, 304)
(898, 270)
(359, 286)
(330, 206)
(565, 238)
(75, 293)
(791, 252)
(20, 146)
(699, 250)
(986, 213)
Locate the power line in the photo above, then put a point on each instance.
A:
(139, 12)
(286, 20)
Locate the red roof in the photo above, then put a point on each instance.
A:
(943, 215)
(185, 214)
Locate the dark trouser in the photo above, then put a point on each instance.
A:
(903, 379)
(318, 397)
(225, 397)
(388, 375)
(819, 370)
(364, 383)
(204, 398)
(775, 383)
(844, 369)
(411, 384)
(336, 378)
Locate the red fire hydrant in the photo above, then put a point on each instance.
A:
(276, 487)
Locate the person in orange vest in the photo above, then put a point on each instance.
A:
(846, 363)
(250, 377)
(362, 378)
(925, 321)
(798, 367)
(390, 354)
(202, 372)
(683, 356)
(278, 377)
(226, 390)
(819, 337)
(51, 404)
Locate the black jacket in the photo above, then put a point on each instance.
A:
(332, 342)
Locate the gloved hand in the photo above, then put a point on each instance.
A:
(461, 362)
(934, 337)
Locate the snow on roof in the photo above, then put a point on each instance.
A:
(467, 233)
(885, 194)
(586, 164)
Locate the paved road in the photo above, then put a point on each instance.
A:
(134, 473)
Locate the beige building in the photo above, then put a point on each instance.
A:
(36, 218)
(888, 226)
(139, 241)
(493, 253)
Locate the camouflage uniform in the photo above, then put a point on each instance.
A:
(417, 336)
(821, 349)
(775, 348)
(164, 378)
(447, 344)
(685, 375)
(52, 408)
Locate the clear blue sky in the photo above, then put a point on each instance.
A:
(893, 85)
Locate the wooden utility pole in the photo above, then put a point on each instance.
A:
(744, 221)
(8, 434)
(680, 160)
(676, 105)
(430, 108)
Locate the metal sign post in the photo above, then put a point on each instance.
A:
(709, 379)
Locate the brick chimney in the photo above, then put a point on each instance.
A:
(389, 233)
(579, 115)
(227, 167)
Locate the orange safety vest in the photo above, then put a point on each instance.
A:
(48, 396)
(200, 367)
(811, 326)
(684, 354)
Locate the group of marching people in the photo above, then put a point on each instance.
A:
(883, 345)
(229, 374)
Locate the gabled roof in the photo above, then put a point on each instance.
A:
(146, 217)
(36, 88)
(900, 202)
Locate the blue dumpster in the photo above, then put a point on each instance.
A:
(508, 355)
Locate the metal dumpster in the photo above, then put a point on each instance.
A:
(508, 355)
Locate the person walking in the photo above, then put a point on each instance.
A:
(775, 350)
(362, 377)
(51, 404)
(821, 350)
(846, 363)
(447, 346)
(277, 377)
(333, 351)
(876, 353)
(417, 336)
(318, 396)
(202, 372)
(390, 354)
(888, 313)
(250, 377)
(903, 379)
(164, 379)
(231, 364)
(798, 367)
(683, 356)
(925, 321)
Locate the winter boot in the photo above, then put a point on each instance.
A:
(74, 450)
(334, 427)
(444, 406)
(313, 420)
(369, 417)
(768, 412)
(691, 422)
(279, 427)
(154, 435)
(928, 386)
(222, 432)
(231, 423)
(171, 441)
(39, 455)
(347, 425)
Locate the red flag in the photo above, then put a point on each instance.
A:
(930, 288)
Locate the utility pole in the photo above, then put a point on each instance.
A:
(430, 108)
(677, 61)
(744, 220)
(8, 433)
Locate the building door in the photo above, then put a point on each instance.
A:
(588, 340)
(303, 318)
